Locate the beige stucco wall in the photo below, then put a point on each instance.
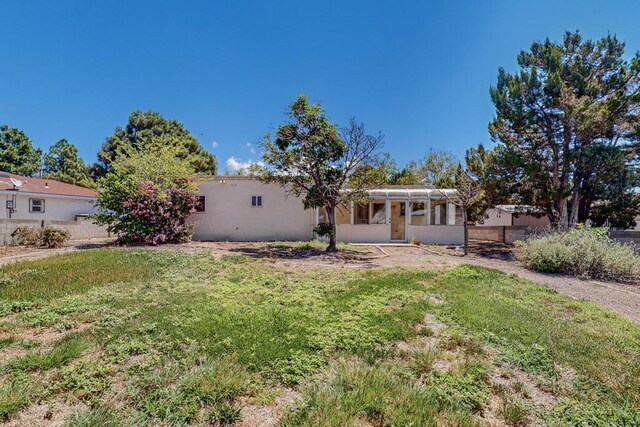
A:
(56, 208)
(437, 234)
(229, 215)
(495, 217)
(531, 220)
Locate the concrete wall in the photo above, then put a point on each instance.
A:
(437, 234)
(495, 217)
(229, 215)
(56, 208)
(627, 236)
(80, 229)
(531, 221)
(363, 233)
(501, 234)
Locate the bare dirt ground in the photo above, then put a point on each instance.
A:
(622, 298)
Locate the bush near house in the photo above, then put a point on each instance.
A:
(147, 197)
(587, 252)
(49, 237)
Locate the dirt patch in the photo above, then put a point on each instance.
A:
(253, 415)
(46, 414)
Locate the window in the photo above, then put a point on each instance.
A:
(438, 212)
(256, 201)
(36, 205)
(200, 204)
(459, 216)
(362, 214)
(418, 213)
(379, 212)
(343, 215)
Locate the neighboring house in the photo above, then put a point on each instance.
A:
(245, 209)
(514, 215)
(24, 198)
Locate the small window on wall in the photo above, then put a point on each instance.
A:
(256, 201)
(36, 205)
(418, 213)
(362, 214)
(438, 212)
(200, 204)
(323, 217)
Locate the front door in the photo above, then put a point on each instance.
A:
(398, 221)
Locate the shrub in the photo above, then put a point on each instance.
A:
(48, 236)
(54, 237)
(582, 251)
(153, 216)
(25, 236)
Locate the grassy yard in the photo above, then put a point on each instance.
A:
(126, 337)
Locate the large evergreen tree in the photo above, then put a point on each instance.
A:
(62, 163)
(560, 118)
(148, 130)
(17, 154)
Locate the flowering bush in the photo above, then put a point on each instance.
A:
(152, 217)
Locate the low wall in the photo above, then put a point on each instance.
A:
(81, 229)
(504, 234)
(627, 236)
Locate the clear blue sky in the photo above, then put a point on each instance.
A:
(417, 71)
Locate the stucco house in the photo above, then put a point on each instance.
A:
(239, 208)
(24, 198)
(514, 215)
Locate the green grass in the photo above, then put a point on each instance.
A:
(543, 332)
(14, 394)
(178, 339)
(64, 350)
(44, 279)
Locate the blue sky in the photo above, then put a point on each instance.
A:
(419, 71)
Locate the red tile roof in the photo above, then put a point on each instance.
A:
(44, 186)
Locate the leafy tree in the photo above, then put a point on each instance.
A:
(147, 197)
(469, 197)
(437, 170)
(567, 101)
(17, 154)
(62, 163)
(146, 131)
(313, 160)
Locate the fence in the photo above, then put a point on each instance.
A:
(82, 228)
(509, 234)
(501, 233)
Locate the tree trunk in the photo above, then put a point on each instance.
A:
(331, 216)
(466, 230)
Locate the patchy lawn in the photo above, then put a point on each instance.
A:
(141, 337)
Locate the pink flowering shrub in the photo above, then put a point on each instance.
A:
(150, 216)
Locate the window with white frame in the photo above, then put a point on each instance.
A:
(256, 201)
(438, 212)
(36, 205)
(418, 213)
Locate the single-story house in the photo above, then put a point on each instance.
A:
(240, 208)
(514, 215)
(24, 198)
